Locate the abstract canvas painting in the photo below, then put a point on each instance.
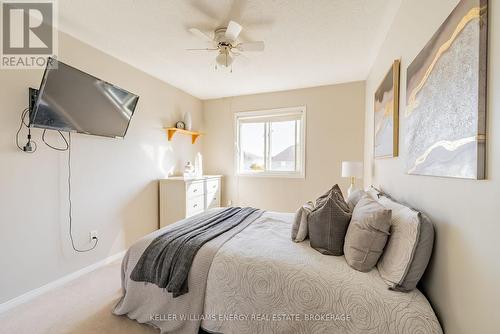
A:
(386, 126)
(445, 116)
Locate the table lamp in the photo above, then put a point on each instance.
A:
(353, 170)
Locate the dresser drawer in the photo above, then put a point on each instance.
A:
(194, 205)
(194, 189)
(213, 200)
(213, 185)
(181, 198)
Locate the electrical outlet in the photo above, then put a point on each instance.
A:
(93, 235)
(229, 203)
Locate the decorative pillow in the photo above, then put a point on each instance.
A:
(367, 234)
(354, 198)
(374, 193)
(408, 249)
(325, 196)
(328, 224)
(299, 227)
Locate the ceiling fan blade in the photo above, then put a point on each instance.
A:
(233, 30)
(205, 49)
(198, 33)
(251, 46)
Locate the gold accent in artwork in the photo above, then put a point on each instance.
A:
(474, 13)
(448, 145)
(446, 84)
(386, 115)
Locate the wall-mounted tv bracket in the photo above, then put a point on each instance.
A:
(32, 96)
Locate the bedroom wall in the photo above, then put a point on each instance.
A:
(114, 188)
(335, 123)
(462, 279)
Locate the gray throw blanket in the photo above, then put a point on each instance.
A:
(167, 260)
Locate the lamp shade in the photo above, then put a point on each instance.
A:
(352, 169)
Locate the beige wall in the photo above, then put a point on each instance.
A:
(462, 280)
(334, 133)
(114, 188)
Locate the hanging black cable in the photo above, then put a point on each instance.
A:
(53, 147)
(31, 145)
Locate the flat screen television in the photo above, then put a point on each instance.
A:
(72, 100)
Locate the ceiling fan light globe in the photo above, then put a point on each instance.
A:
(224, 59)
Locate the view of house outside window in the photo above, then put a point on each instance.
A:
(271, 143)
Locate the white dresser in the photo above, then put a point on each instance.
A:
(181, 198)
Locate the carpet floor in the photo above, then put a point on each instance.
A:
(80, 306)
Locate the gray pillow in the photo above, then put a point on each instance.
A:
(299, 227)
(328, 224)
(322, 198)
(408, 248)
(367, 234)
(354, 198)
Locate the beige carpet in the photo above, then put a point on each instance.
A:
(81, 306)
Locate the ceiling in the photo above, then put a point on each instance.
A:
(308, 42)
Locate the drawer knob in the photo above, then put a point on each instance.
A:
(215, 198)
(194, 206)
(195, 190)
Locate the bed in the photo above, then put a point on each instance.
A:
(254, 279)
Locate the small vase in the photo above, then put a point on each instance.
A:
(187, 120)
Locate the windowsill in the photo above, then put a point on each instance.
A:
(284, 175)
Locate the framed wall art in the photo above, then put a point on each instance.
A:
(386, 117)
(445, 116)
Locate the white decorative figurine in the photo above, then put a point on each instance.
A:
(188, 170)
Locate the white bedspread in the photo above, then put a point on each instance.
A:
(262, 282)
(149, 304)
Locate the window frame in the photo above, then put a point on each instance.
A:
(270, 113)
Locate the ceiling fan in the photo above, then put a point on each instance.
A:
(225, 41)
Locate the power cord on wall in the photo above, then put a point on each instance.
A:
(53, 147)
(30, 147)
(70, 203)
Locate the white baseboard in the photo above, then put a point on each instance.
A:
(52, 285)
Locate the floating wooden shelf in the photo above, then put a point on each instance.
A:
(194, 135)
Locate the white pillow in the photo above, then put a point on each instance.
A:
(408, 249)
(300, 229)
(354, 198)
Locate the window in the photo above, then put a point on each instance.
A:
(271, 142)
